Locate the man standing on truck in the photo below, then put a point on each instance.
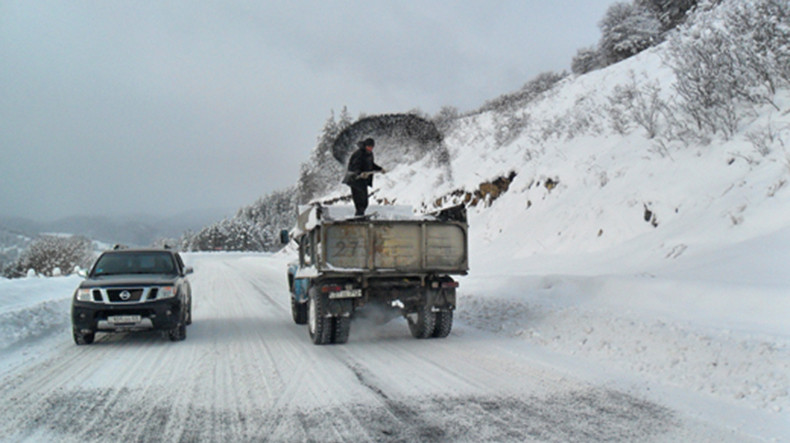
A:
(360, 174)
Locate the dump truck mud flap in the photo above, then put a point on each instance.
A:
(440, 298)
(340, 307)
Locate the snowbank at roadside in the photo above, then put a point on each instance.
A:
(32, 307)
(713, 322)
(584, 318)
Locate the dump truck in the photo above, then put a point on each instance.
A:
(391, 262)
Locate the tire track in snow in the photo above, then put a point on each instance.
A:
(419, 426)
(247, 373)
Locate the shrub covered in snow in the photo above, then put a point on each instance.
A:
(50, 255)
(530, 91)
(729, 56)
(585, 60)
(635, 103)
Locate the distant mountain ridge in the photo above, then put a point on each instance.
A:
(132, 230)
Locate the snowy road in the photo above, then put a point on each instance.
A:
(247, 373)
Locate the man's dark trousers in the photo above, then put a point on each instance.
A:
(360, 195)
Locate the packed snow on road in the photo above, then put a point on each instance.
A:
(545, 357)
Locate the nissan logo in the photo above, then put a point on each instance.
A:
(126, 295)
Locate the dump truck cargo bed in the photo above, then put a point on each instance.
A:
(391, 240)
(394, 246)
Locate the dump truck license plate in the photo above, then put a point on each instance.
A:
(348, 293)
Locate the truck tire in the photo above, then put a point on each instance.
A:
(83, 338)
(298, 311)
(319, 325)
(444, 323)
(341, 330)
(422, 322)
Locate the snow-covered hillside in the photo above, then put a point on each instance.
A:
(638, 258)
(600, 190)
(654, 253)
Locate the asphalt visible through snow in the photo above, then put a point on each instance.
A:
(246, 372)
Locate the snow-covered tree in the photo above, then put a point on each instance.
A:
(168, 243)
(627, 29)
(253, 228)
(585, 60)
(728, 58)
(51, 254)
(344, 120)
(446, 118)
(322, 168)
(671, 13)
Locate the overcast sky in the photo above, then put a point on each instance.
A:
(117, 107)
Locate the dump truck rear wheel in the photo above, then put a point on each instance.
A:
(444, 323)
(319, 325)
(342, 328)
(422, 322)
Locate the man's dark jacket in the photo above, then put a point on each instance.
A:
(361, 161)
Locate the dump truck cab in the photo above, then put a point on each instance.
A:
(399, 261)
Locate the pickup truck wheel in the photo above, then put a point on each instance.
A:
(341, 330)
(319, 325)
(179, 333)
(422, 322)
(83, 338)
(189, 313)
(444, 323)
(298, 311)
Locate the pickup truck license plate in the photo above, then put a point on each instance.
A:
(124, 319)
(348, 293)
